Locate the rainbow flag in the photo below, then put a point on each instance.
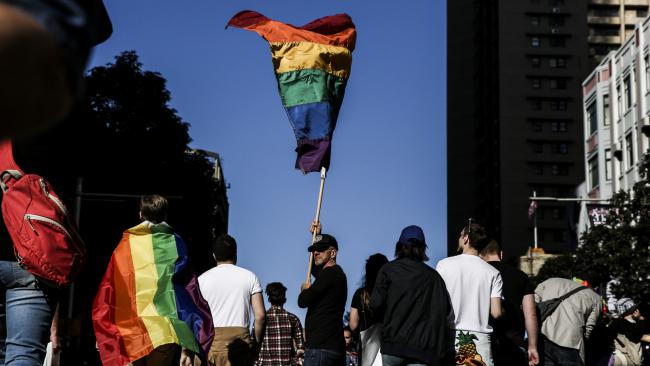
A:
(149, 297)
(312, 65)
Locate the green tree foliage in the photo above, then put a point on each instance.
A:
(619, 249)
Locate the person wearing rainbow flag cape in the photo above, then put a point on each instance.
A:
(149, 309)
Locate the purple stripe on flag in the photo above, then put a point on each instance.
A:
(312, 155)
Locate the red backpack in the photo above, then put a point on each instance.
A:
(46, 242)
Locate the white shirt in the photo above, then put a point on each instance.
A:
(471, 282)
(228, 290)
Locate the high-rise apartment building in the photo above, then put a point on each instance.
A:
(610, 23)
(514, 109)
(616, 102)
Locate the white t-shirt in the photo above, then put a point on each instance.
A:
(471, 282)
(228, 290)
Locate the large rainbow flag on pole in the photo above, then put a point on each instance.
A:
(312, 65)
(149, 297)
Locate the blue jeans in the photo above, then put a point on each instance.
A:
(390, 360)
(26, 312)
(323, 357)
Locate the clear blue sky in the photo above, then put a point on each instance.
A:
(388, 165)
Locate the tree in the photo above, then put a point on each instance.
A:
(619, 249)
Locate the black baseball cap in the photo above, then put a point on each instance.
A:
(322, 242)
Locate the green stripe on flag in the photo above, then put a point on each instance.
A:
(166, 254)
(310, 86)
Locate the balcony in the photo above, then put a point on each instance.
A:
(608, 2)
(628, 3)
(604, 39)
(595, 19)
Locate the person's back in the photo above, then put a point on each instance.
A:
(475, 291)
(283, 336)
(570, 325)
(231, 291)
(228, 288)
(416, 310)
(471, 283)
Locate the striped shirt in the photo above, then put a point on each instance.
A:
(282, 337)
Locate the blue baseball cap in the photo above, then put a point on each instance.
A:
(411, 232)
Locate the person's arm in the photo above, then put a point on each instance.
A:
(54, 331)
(594, 312)
(296, 333)
(530, 319)
(187, 357)
(379, 292)
(315, 291)
(260, 314)
(354, 319)
(496, 310)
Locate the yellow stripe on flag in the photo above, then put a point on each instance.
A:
(292, 56)
(159, 328)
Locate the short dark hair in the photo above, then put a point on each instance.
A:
(153, 208)
(414, 249)
(277, 293)
(492, 248)
(478, 238)
(348, 329)
(224, 248)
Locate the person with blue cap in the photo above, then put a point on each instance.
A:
(414, 306)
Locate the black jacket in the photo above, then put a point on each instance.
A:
(417, 312)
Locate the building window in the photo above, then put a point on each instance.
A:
(535, 61)
(538, 147)
(558, 105)
(556, 21)
(557, 62)
(534, 42)
(537, 169)
(608, 164)
(534, 20)
(593, 172)
(537, 126)
(628, 92)
(606, 111)
(536, 83)
(561, 148)
(536, 104)
(558, 84)
(557, 42)
(557, 213)
(558, 126)
(592, 118)
(629, 152)
(559, 169)
(641, 13)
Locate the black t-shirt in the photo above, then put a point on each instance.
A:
(516, 285)
(325, 302)
(363, 308)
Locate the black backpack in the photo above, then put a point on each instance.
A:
(547, 308)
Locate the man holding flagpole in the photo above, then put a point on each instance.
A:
(325, 301)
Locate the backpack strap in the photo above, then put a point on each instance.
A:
(575, 290)
(7, 161)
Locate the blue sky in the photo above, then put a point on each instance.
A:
(388, 165)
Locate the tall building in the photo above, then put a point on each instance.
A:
(610, 23)
(616, 102)
(515, 116)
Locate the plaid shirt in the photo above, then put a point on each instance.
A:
(282, 332)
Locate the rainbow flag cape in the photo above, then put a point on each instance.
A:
(312, 65)
(149, 297)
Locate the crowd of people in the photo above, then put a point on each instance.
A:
(472, 309)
